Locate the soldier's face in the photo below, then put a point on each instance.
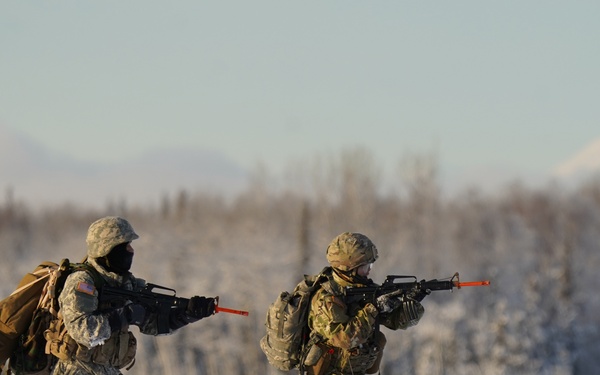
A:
(120, 258)
(364, 269)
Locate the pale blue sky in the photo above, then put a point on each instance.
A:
(511, 84)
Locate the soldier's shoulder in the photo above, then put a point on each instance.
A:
(80, 275)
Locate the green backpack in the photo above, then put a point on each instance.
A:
(287, 339)
(27, 313)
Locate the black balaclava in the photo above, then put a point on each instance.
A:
(119, 260)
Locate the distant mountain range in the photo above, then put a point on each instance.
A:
(35, 175)
(582, 166)
(582, 163)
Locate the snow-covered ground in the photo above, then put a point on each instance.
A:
(538, 248)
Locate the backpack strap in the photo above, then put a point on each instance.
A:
(327, 283)
(323, 280)
(99, 281)
(281, 310)
(74, 267)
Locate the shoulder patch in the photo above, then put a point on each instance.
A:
(86, 288)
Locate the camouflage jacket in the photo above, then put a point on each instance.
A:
(87, 322)
(349, 329)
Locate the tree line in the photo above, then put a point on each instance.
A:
(539, 247)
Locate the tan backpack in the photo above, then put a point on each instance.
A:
(287, 339)
(27, 313)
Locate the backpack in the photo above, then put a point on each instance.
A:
(287, 338)
(27, 313)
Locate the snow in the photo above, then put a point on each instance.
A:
(584, 161)
(540, 249)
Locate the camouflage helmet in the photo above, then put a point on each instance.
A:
(106, 233)
(351, 250)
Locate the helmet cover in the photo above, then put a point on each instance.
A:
(106, 233)
(348, 251)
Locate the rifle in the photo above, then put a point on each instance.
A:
(412, 289)
(160, 303)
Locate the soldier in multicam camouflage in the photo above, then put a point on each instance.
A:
(349, 341)
(93, 337)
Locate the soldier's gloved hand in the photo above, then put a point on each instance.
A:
(120, 319)
(135, 314)
(420, 294)
(117, 319)
(411, 312)
(386, 303)
(200, 307)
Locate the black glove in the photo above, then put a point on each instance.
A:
(420, 294)
(200, 307)
(117, 319)
(120, 319)
(135, 314)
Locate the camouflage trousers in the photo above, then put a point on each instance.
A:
(365, 360)
(77, 367)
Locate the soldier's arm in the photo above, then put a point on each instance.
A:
(177, 317)
(79, 304)
(403, 317)
(330, 320)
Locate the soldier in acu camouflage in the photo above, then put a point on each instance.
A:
(350, 342)
(95, 339)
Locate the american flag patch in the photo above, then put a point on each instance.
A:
(86, 288)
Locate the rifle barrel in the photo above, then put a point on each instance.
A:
(230, 311)
(472, 283)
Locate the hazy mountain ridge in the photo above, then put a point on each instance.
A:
(582, 166)
(584, 161)
(38, 175)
